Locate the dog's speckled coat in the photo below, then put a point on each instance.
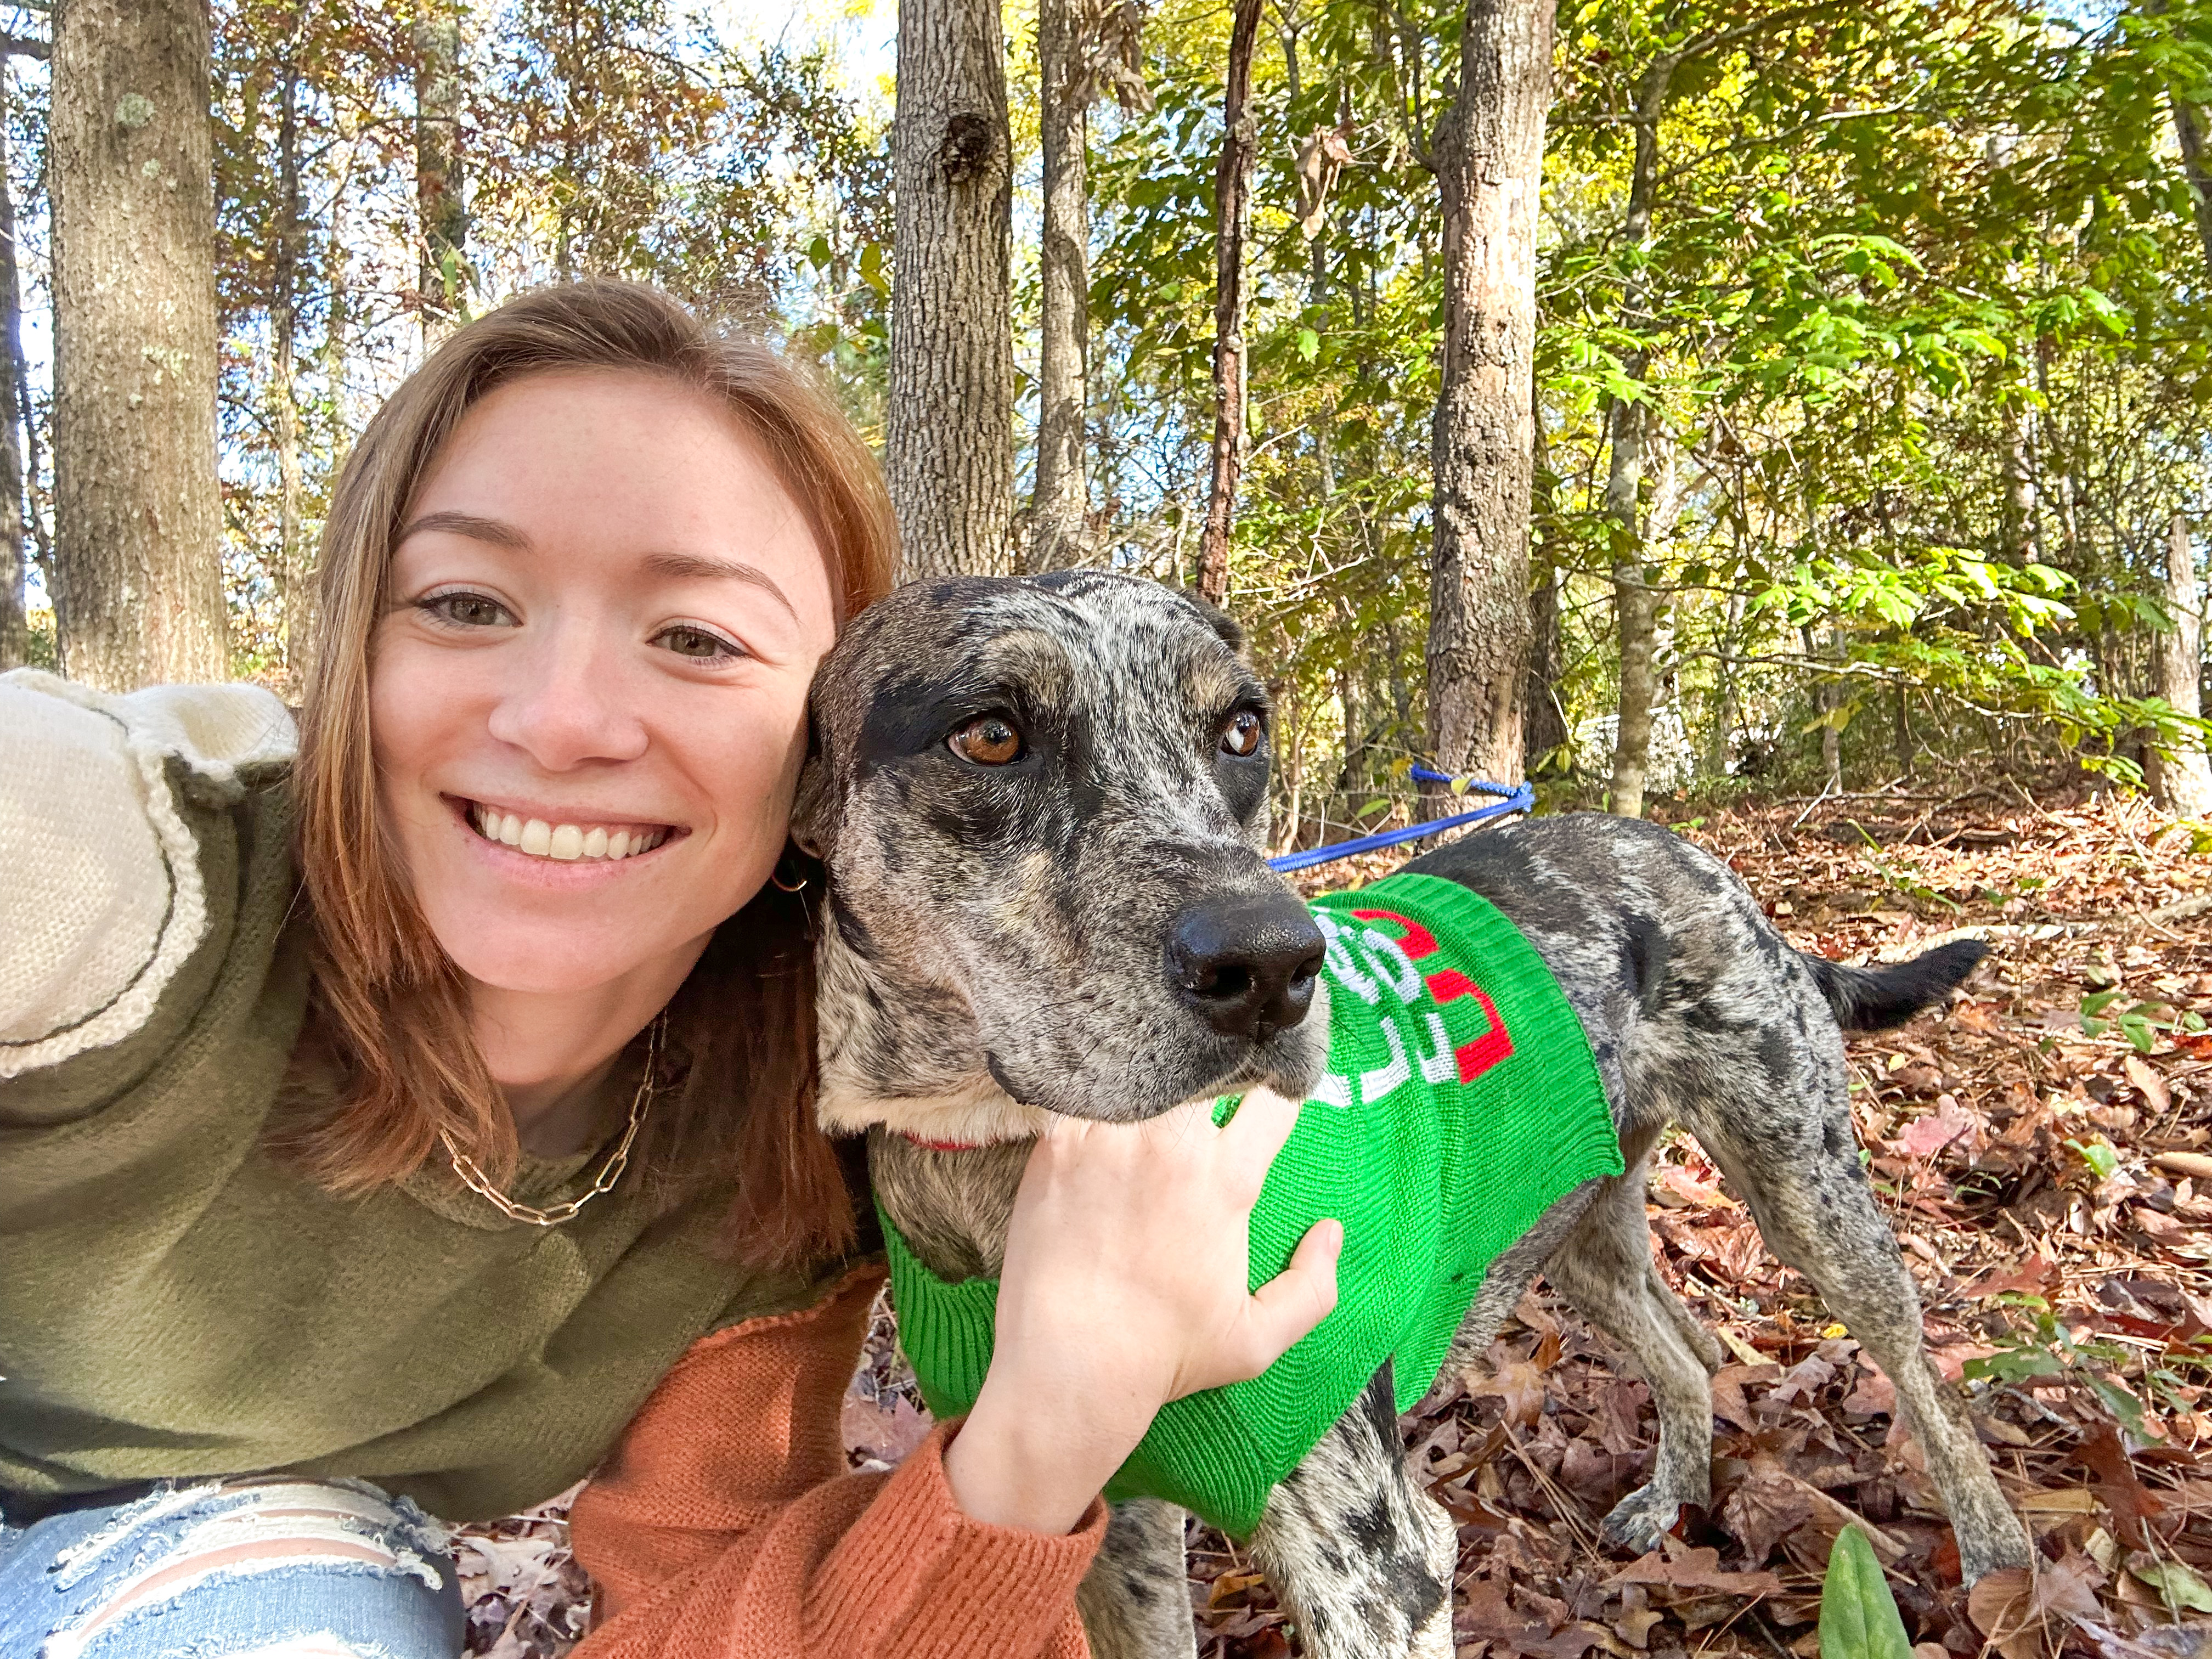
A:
(993, 952)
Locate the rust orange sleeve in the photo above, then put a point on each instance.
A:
(724, 1525)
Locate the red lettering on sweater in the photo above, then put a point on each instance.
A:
(1447, 984)
(1416, 941)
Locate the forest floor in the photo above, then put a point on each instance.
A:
(2044, 1148)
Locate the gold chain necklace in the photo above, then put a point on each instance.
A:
(474, 1179)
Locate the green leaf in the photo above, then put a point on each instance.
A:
(817, 253)
(2178, 1585)
(2099, 1155)
(2096, 1002)
(1309, 344)
(2015, 1365)
(2121, 1405)
(1858, 1615)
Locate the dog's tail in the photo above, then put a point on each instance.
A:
(1876, 998)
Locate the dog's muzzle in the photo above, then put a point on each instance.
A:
(1246, 964)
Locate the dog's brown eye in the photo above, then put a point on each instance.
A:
(1240, 736)
(989, 741)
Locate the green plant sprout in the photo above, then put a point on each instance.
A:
(1858, 1615)
(2141, 1023)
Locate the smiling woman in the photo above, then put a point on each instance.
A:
(398, 1124)
(578, 573)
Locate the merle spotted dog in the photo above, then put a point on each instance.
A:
(1029, 792)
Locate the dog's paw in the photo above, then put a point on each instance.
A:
(1640, 1520)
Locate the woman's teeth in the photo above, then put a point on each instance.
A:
(565, 841)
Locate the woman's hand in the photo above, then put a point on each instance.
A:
(1123, 1289)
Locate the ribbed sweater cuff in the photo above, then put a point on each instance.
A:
(992, 1590)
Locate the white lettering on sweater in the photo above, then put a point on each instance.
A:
(1369, 962)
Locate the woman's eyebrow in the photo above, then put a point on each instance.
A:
(497, 532)
(696, 567)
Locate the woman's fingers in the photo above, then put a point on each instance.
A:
(1295, 1300)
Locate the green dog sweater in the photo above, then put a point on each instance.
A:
(1460, 1103)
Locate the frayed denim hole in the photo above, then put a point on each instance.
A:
(80, 1559)
(88, 1634)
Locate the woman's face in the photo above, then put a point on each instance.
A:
(588, 687)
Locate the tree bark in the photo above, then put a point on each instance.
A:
(1059, 506)
(1489, 157)
(2185, 776)
(2189, 131)
(2017, 464)
(1544, 724)
(440, 205)
(138, 516)
(1636, 610)
(1232, 207)
(295, 586)
(948, 440)
(15, 623)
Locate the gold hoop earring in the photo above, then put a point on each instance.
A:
(775, 876)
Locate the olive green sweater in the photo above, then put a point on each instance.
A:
(174, 1303)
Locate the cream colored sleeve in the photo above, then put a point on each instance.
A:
(102, 897)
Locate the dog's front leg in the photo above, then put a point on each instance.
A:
(1361, 1556)
(1135, 1599)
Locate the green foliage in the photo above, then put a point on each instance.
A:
(2142, 1023)
(2046, 1347)
(1858, 1615)
(1919, 323)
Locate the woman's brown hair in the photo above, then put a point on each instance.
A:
(388, 1006)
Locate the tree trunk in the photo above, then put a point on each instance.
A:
(2185, 777)
(1489, 161)
(1636, 606)
(1723, 726)
(1635, 609)
(1352, 776)
(1232, 207)
(948, 441)
(439, 185)
(1544, 724)
(2018, 465)
(1828, 698)
(2189, 131)
(1059, 506)
(138, 516)
(295, 588)
(15, 624)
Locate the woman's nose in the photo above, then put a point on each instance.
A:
(569, 702)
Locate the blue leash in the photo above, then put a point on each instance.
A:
(1518, 798)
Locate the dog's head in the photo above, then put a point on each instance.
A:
(1042, 804)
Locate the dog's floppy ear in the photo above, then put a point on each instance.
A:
(814, 807)
(1231, 630)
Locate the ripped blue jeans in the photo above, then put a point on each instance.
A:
(269, 1567)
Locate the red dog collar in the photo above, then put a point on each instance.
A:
(941, 1145)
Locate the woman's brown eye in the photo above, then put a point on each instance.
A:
(1240, 736)
(696, 643)
(989, 741)
(466, 610)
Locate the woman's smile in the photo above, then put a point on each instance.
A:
(564, 837)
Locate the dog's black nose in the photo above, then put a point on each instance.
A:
(1247, 963)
